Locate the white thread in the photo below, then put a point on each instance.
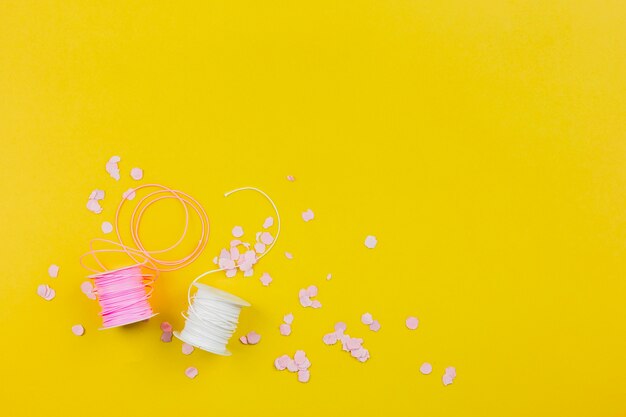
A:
(213, 315)
(211, 320)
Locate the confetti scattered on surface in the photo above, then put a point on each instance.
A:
(367, 319)
(53, 271)
(305, 295)
(78, 330)
(308, 215)
(412, 323)
(266, 279)
(191, 372)
(448, 376)
(300, 364)
(290, 178)
(426, 368)
(354, 345)
(269, 222)
(244, 339)
(129, 194)
(252, 338)
(93, 203)
(45, 292)
(371, 242)
(288, 318)
(187, 349)
(285, 329)
(112, 167)
(136, 173)
(87, 289)
(375, 326)
(288, 255)
(166, 336)
(107, 227)
(241, 257)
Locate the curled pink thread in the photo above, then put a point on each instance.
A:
(123, 293)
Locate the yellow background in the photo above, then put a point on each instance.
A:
(482, 142)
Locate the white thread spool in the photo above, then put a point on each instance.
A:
(211, 319)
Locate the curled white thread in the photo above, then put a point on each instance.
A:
(213, 314)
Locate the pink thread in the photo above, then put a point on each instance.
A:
(123, 293)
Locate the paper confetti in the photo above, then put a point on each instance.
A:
(305, 294)
(191, 372)
(78, 330)
(106, 227)
(412, 323)
(237, 231)
(112, 167)
(300, 364)
(371, 242)
(353, 345)
(426, 368)
(266, 279)
(53, 271)
(136, 173)
(308, 215)
(45, 292)
(187, 349)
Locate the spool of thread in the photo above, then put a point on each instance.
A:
(212, 315)
(211, 319)
(124, 293)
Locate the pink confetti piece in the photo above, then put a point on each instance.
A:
(450, 370)
(330, 338)
(371, 242)
(290, 178)
(237, 231)
(288, 255)
(253, 338)
(53, 271)
(187, 349)
(129, 194)
(328, 277)
(299, 357)
(308, 215)
(285, 329)
(304, 376)
(288, 318)
(311, 291)
(78, 330)
(266, 279)
(231, 273)
(281, 362)
(426, 368)
(316, 304)
(87, 289)
(136, 174)
(306, 302)
(412, 323)
(375, 326)
(447, 379)
(106, 227)
(266, 238)
(367, 319)
(244, 340)
(45, 292)
(269, 222)
(112, 167)
(259, 247)
(166, 337)
(166, 327)
(94, 206)
(292, 366)
(96, 195)
(340, 327)
(354, 343)
(191, 372)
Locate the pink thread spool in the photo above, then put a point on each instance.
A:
(123, 293)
